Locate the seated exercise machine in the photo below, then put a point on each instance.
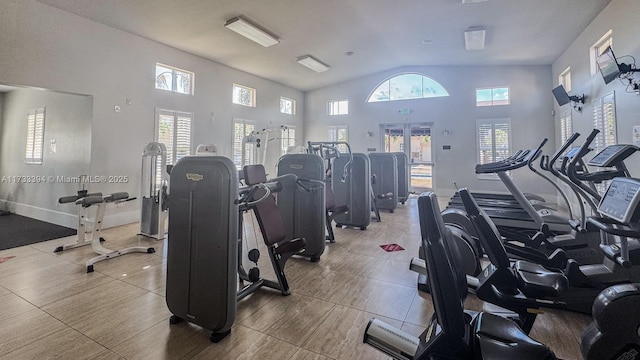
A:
(204, 253)
(349, 179)
(452, 333)
(457, 334)
(93, 226)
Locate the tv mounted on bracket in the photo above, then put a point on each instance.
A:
(563, 98)
(561, 95)
(608, 65)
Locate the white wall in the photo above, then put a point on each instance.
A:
(620, 17)
(45, 47)
(530, 113)
(68, 124)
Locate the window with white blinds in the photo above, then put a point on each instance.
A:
(566, 126)
(242, 128)
(173, 129)
(35, 136)
(604, 119)
(338, 133)
(287, 138)
(493, 141)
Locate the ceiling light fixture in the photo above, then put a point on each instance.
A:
(472, 1)
(251, 31)
(474, 38)
(312, 63)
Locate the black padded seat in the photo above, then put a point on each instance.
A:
(537, 281)
(501, 338)
(291, 246)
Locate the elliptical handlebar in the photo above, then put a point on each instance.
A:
(563, 148)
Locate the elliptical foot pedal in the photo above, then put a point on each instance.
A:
(216, 337)
(176, 320)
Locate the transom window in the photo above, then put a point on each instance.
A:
(173, 79)
(35, 136)
(564, 79)
(244, 95)
(287, 106)
(492, 96)
(338, 107)
(598, 48)
(406, 87)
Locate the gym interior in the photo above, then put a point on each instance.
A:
(452, 179)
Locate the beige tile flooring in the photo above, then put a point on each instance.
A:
(51, 309)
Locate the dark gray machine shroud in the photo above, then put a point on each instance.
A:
(353, 189)
(302, 205)
(384, 166)
(202, 243)
(404, 175)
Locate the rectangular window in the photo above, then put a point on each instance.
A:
(564, 79)
(242, 129)
(597, 49)
(173, 129)
(338, 107)
(566, 126)
(338, 133)
(288, 138)
(604, 119)
(287, 106)
(35, 136)
(493, 141)
(492, 96)
(243, 95)
(173, 79)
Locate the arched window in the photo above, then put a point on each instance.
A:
(407, 86)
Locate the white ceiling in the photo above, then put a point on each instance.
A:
(382, 34)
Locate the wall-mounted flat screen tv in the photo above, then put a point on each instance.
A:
(561, 95)
(609, 67)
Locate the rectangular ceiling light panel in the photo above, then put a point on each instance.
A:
(312, 63)
(472, 1)
(251, 32)
(474, 38)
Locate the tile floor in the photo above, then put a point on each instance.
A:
(51, 309)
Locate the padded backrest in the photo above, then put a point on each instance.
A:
(266, 211)
(486, 230)
(254, 174)
(447, 300)
(330, 199)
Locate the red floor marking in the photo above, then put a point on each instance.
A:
(391, 247)
(3, 259)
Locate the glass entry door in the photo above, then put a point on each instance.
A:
(414, 139)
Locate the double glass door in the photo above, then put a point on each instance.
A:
(413, 139)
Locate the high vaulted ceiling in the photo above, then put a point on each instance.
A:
(382, 34)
